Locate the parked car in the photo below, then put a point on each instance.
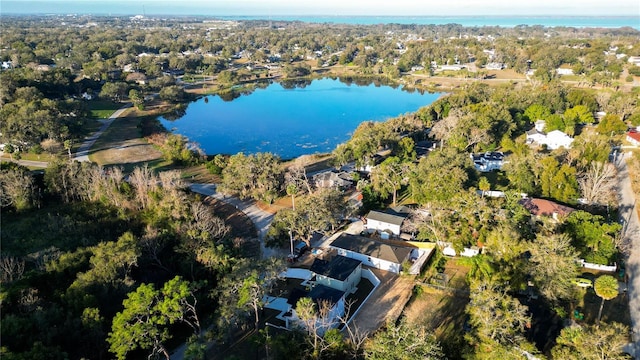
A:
(582, 282)
(299, 248)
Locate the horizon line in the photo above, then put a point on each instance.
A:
(331, 15)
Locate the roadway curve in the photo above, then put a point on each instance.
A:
(631, 238)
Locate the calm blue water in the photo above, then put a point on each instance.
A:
(503, 21)
(292, 122)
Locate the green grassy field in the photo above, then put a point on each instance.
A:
(102, 109)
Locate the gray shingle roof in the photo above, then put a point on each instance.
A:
(385, 218)
(372, 248)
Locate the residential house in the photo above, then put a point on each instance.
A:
(489, 161)
(381, 255)
(633, 137)
(557, 139)
(542, 207)
(635, 60)
(384, 222)
(494, 66)
(451, 67)
(322, 296)
(564, 71)
(173, 72)
(137, 77)
(553, 140)
(333, 179)
(424, 147)
(340, 273)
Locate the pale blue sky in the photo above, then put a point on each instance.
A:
(329, 7)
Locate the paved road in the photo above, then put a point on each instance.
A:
(630, 236)
(83, 150)
(29, 163)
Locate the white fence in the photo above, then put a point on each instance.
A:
(608, 268)
(368, 274)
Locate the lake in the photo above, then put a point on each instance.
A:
(292, 118)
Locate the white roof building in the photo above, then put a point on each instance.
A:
(553, 140)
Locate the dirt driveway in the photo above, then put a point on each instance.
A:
(387, 301)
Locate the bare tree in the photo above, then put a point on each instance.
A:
(206, 221)
(143, 181)
(444, 128)
(597, 183)
(297, 175)
(152, 244)
(17, 189)
(11, 269)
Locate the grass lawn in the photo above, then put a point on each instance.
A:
(102, 109)
(442, 312)
(122, 144)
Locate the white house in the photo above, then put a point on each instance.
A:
(373, 253)
(494, 66)
(557, 139)
(489, 161)
(635, 60)
(564, 71)
(320, 295)
(380, 221)
(554, 139)
(634, 138)
(341, 273)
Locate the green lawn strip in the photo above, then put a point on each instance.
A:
(102, 109)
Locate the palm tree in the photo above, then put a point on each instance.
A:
(481, 266)
(484, 185)
(292, 190)
(606, 287)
